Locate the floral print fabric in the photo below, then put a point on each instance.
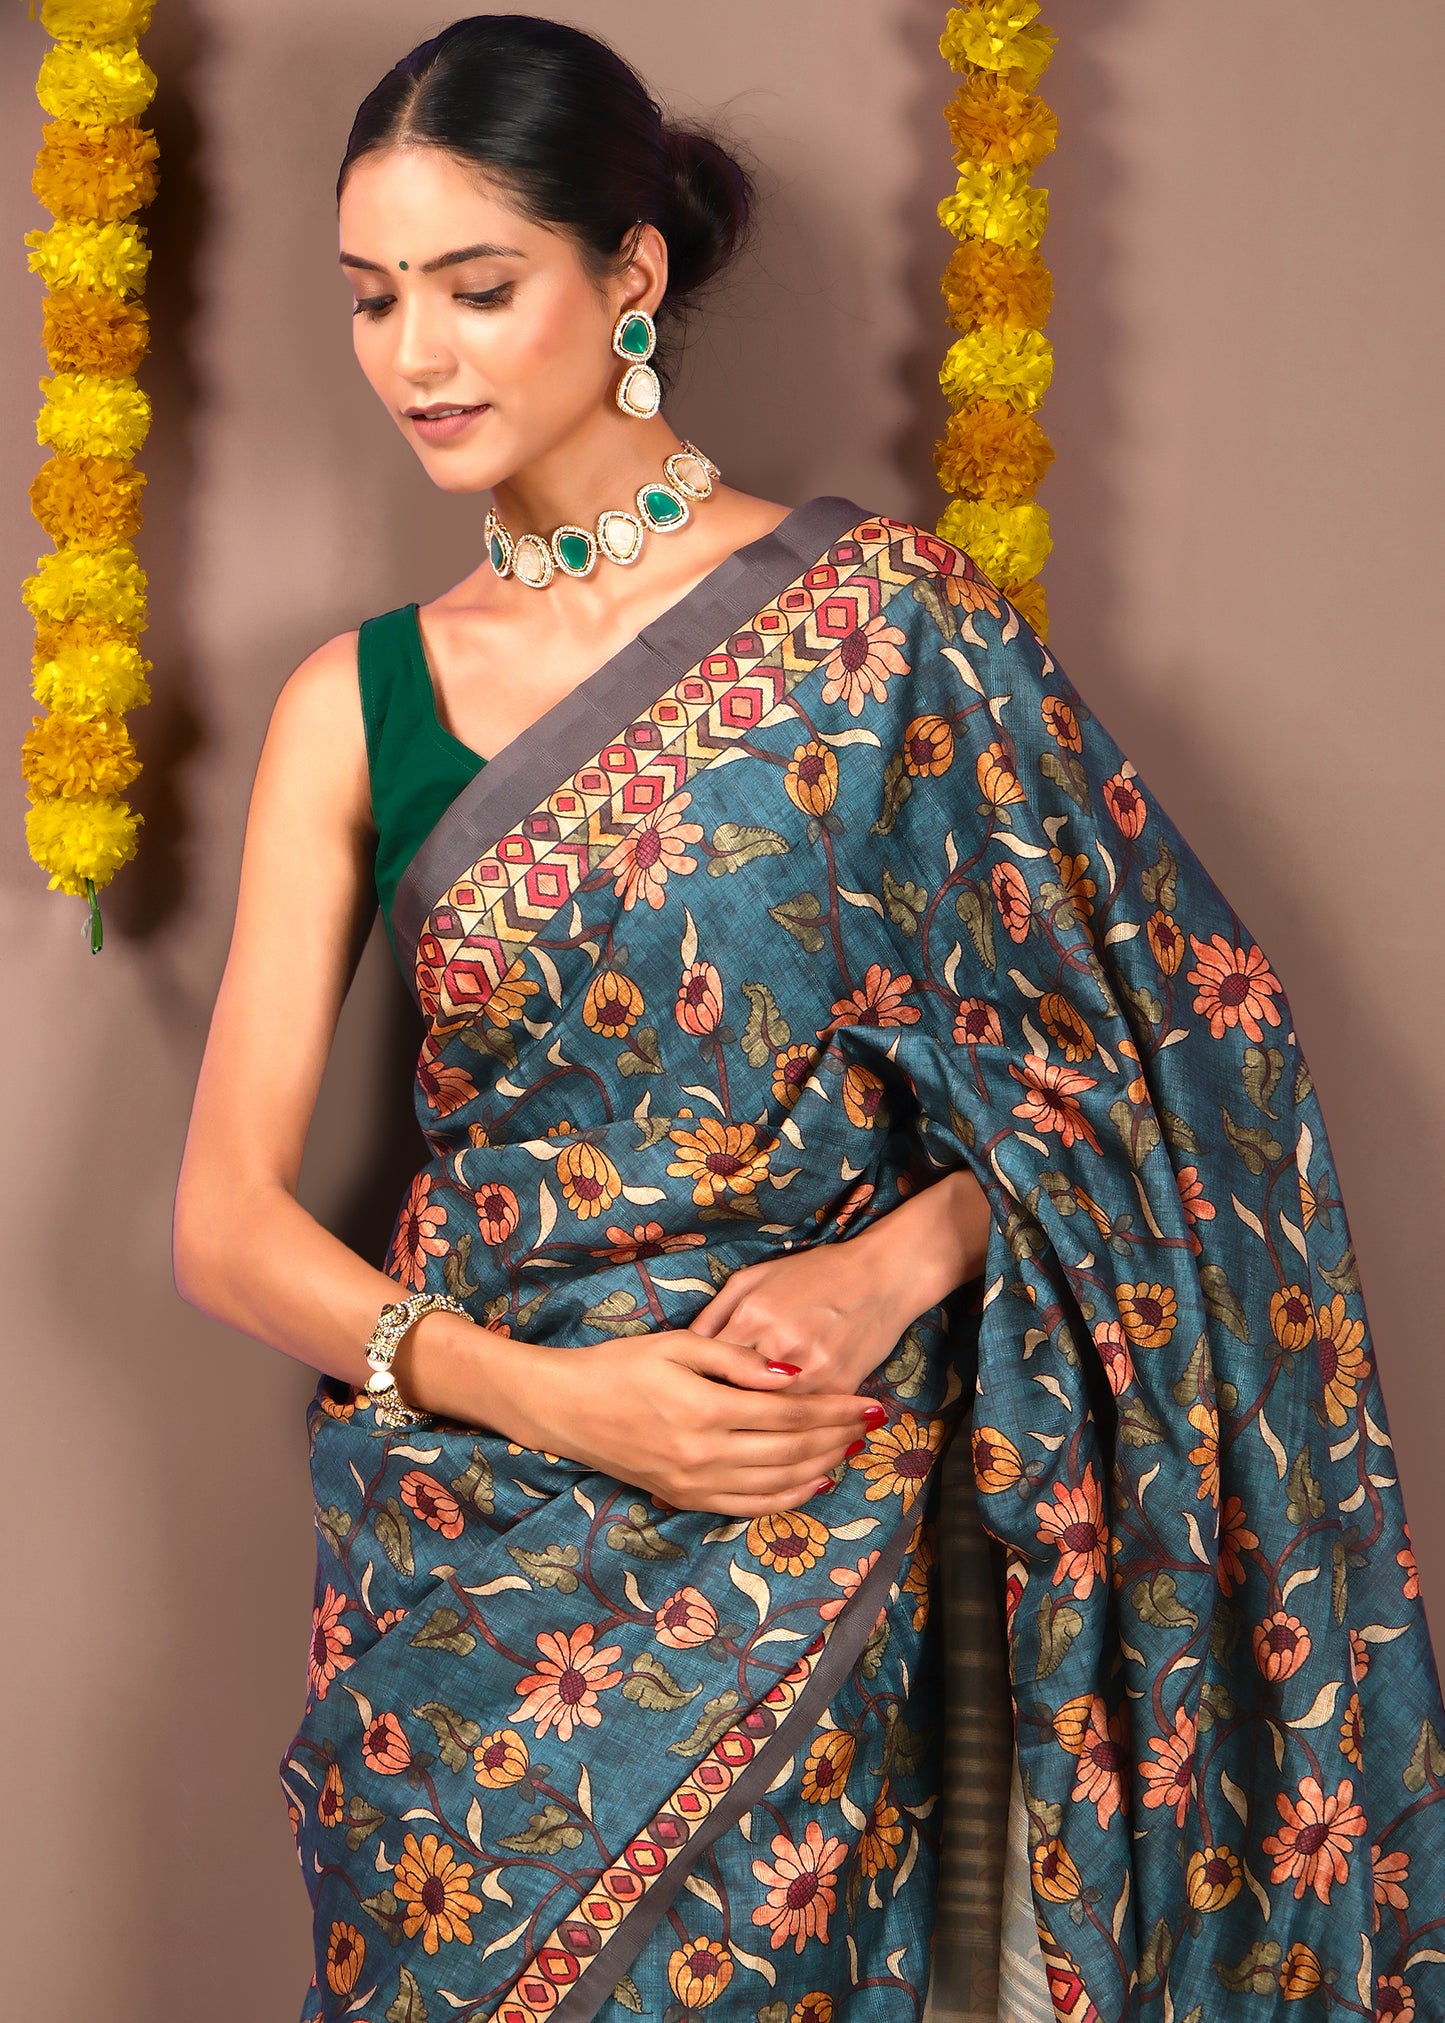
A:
(868, 895)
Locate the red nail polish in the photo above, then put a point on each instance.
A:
(874, 1416)
(826, 1483)
(786, 1369)
(856, 1448)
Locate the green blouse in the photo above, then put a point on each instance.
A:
(417, 767)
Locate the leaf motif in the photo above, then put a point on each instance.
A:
(333, 1523)
(753, 1586)
(652, 1686)
(1138, 1128)
(1157, 1602)
(799, 916)
(737, 843)
(1343, 1276)
(713, 1722)
(553, 1566)
(1159, 881)
(456, 1735)
(897, 786)
(1137, 1425)
(767, 1032)
(393, 1531)
(409, 2006)
(619, 1314)
(1260, 1074)
(903, 901)
(977, 917)
(1222, 1300)
(546, 1832)
(388, 1913)
(642, 1055)
(1256, 1973)
(1178, 1130)
(1066, 770)
(1427, 1760)
(1254, 1144)
(364, 1818)
(1305, 1498)
(626, 1993)
(1059, 1624)
(454, 1269)
(640, 1536)
(443, 1631)
(907, 1366)
(475, 1484)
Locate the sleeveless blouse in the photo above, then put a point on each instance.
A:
(417, 768)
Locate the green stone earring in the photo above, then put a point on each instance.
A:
(634, 337)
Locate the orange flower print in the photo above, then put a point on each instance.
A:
(1204, 1418)
(699, 1971)
(1074, 1522)
(1300, 1973)
(1391, 1873)
(1343, 1362)
(720, 1159)
(388, 1620)
(997, 780)
(811, 780)
(500, 1759)
(1103, 1762)
(613, 1004)
(1113, 1351)
(1191, 1195)
(1149, 1314)
(928, 747)
(814, 2007)
(860, 666)
(651, 852)
(917, 1581)
(331, 1799)
(898, 1459)
(880, 1840)
(849, 1579)
(1212, 1879)
(880, 1002)
(345, 1952)
(1313, 1845)
(1406, 1558)
(563, 1690)
(1359, 1657)
(415, 1238)
(1236, 986)
(1235, 1539)
(1166, 941)
(1169, 1781)
(863, 1095)
(788, 1541)
(435, 1506)
(445, 1087)
(497, 1212)
(1079, 889)
(802, 1894)
(589, 1181)
(431, 1884)
(1067, 1027)
(1125, 803)
(972, 591)
(329, 1638)
(826, 1766)
(699, 998)
(1281, 1645)
(1292, 1317)
(1061, 723)
(384, 1747)
(1011, 896)
(646, 1239)
(997, 1463)
(1394, 2001)
(686, 1618)
(976, 1024)
(1049, 1092)
(1055, 1876)
(1352, 1732)
(509, 997)
(793, 1070)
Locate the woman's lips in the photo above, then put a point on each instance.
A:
(440, 428)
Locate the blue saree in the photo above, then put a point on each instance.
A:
(828, 884)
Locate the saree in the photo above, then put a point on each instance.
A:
(828, 884)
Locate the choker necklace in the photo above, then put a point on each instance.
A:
(534, 559)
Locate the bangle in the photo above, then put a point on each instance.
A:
(392, 1323)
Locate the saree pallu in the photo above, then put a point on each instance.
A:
(828, 884)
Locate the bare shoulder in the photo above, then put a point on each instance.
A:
(316, 726)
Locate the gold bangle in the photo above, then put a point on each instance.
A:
(392, 1323)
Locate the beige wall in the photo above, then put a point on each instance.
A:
(1246, 586)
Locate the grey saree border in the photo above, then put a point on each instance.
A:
(606, 1968)
(585, 721)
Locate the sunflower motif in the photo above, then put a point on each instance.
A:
(1125, 803)
(1049, 1101)
(1235, 1539)
(330, 1801)
(1236, 986)
(563, 1689)
(613, 1004)
(1300, 1973)
(1067, 1026)
(1212, 1879)
(897, 1459)
(811, 780)
(1077, 886)
(445, 1086)
(1061, 723)
(880, 1840)
(928, 747)
(802, 1894)
(384, 1747)
(431, 1884)
(827, 1764)
(861, 665)
(997, 781)
(1149, 1313)
(1166, 941)
(589, 1181)
(1055, 1877)
(415, 1238)
(976, 1024)
(651, 852)
(500, 1759)
(329, 1638)
(1314, 1843)
(700, 998)
(1074, 1522)
(1343, 1362)
(793, 1070)
(1204, 1418)
(699, 1971)
(1170, 1780)
(685, 1620)
(509, 997)
(646, 1239)
(1011, 896)
(788, 1541)
(498, 1212)
(863, 1096)
(879, 1002)
(997, 1463)
(345, 1954)
(435, 1506)
(720, 1159)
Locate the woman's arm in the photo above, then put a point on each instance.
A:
(693, 1421)
(835, 1311)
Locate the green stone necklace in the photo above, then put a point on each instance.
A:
(534, 559)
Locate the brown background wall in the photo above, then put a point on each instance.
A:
(1246, 586)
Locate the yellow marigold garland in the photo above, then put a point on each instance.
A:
(96, 168)
(994, 454)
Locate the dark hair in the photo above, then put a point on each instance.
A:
(573, 131)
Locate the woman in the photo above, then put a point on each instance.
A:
(827, 1035)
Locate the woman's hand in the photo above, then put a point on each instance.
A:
(695, 1422)
(835, 1311)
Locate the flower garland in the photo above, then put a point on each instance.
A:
(999, 294)
(94, 171)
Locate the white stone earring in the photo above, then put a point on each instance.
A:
(634, 337)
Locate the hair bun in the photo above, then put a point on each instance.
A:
(708, 209)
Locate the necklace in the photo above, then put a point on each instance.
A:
(663, 506)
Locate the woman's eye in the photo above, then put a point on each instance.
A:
(371, 305)
(490, 298)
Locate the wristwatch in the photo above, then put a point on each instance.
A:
(392, 1323)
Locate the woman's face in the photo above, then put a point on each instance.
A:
(515, 332)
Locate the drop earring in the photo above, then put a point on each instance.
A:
(634, 337)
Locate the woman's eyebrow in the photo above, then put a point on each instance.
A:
(481, 252)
